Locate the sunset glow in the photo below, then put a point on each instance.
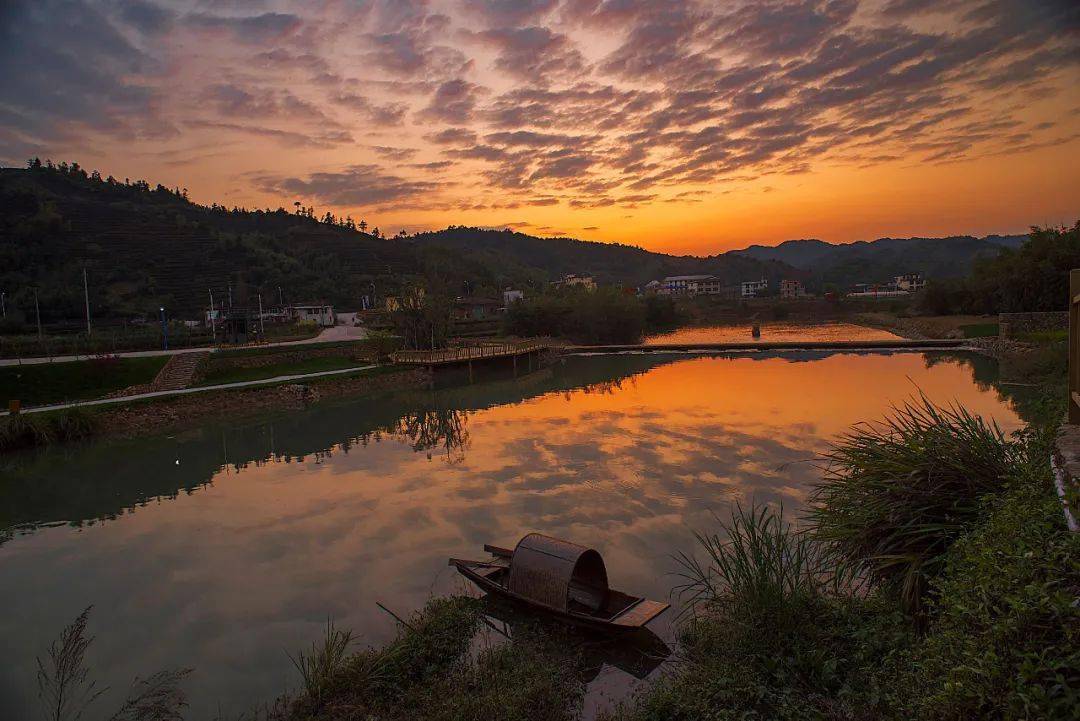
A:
(689, 127)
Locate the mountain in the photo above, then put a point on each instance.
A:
(881, 259)
(524, 258)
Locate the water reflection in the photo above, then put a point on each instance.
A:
(219, 548)
(772, 332)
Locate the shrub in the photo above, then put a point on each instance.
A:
(1004, 633)
(896, 494)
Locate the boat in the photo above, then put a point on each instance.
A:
(562, 579)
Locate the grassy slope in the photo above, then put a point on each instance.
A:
(45, 383)
(310, 365)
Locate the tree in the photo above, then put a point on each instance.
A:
(363, 226)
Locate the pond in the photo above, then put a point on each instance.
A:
(771, 332)
(222, 548)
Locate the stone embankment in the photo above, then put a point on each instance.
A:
(192, 410)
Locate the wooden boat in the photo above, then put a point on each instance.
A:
(562, 579)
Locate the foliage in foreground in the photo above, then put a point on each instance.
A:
(897, 493)
(1004, 638)
(430, 672)
(68, 691)
(771, 637)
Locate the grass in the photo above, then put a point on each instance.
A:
(46, 383)
(1004, 633)
(432, 671)
(67, 689)
(310, 365)
(980, 330)
(1045, 336)
(25, 430)
(897, 493)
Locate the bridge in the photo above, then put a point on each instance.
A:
(469, 353)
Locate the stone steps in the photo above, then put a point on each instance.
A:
(179, 372)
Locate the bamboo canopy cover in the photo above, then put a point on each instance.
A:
(555, 573)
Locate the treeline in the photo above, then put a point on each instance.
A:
(1034, 277)
(606, 315)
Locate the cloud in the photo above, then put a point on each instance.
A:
(325, 139)
(387, 115)
(452, 136)
(453, 102)
(534, 53)
(355, 186)
(250, 29)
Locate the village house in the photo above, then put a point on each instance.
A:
(509, 296)
(792, 289)
(476, 308)
(320, 313)
(681, 284)
(910, 282)
(572, 280)
(751, 288)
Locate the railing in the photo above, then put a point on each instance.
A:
(1074, 346)
(468, 353)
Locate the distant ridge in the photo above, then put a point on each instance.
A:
(877, 260)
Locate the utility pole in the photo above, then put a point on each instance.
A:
(213, 320)
(164, 331)
(3, 305)
(262, 327)
(280, 298)
(230, 295)
(86, 297)
(37, 312)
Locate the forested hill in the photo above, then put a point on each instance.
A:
(143, 247)
(521, 254)
(880, 260)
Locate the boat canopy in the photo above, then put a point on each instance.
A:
(555, 573)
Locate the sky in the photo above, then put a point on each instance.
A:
(685, 127)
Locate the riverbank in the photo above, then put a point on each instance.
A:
(171, 413)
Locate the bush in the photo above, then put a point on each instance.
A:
(605, 315)
(1004, 633)
(771, 638)
(896, 494)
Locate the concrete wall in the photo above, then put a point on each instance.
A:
(1012, 325)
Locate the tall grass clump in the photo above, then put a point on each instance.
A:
(25, 430)
(756, 564)
(896, 494)
(319, 665)
(67, 690)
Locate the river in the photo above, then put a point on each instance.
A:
(222, 548)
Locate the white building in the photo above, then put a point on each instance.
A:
(572, 280)
(680, 284)
(509, 296)
(751, 288)
(910, 282)
(320, 313)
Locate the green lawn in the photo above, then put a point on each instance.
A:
(979, 330)
(45, 383)
(312, 365)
